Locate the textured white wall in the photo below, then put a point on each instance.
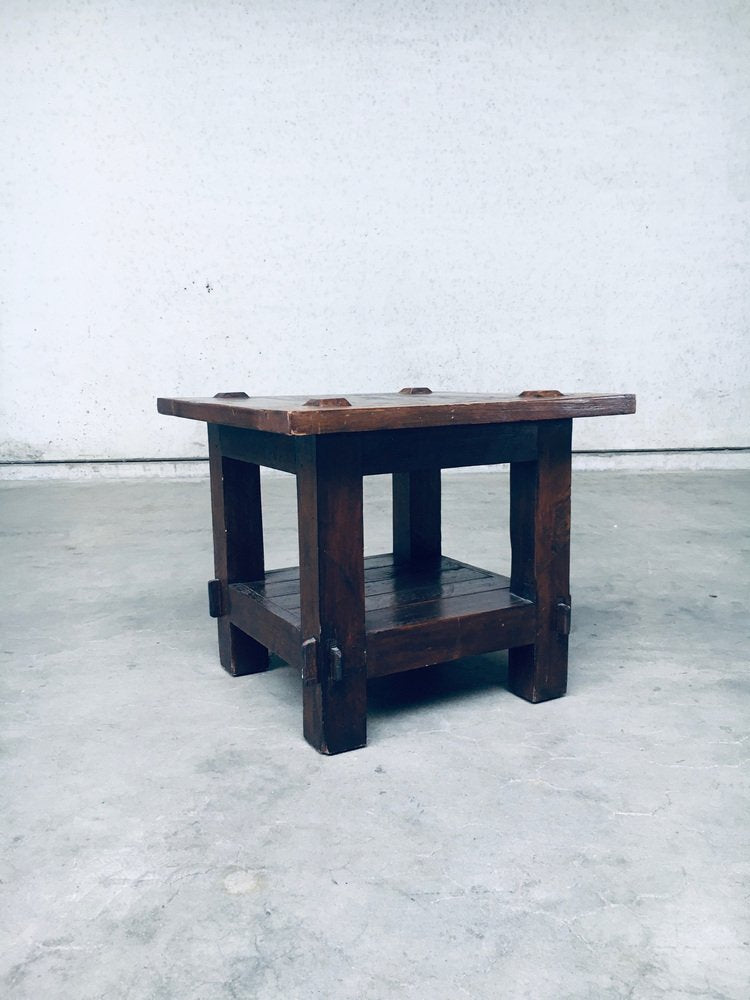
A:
(324, 197)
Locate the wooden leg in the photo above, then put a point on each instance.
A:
(238, 548)
(416, 515)
(332, 586)
(540, 570)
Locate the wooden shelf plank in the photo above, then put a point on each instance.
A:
(415, 614)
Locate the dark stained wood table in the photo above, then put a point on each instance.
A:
(340, 617)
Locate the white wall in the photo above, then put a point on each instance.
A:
(472, 196)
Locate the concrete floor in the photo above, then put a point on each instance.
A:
(171, 836)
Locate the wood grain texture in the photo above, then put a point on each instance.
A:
(443, 630)
(238, 549)
(292, 415)
(416, 515)
(331, 541)
(274, 626)
(416, 448)
(397, 584)
(272, 451)
(415, 614)
(540, 570)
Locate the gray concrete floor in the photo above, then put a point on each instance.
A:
(170, 834)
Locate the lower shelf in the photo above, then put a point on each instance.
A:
(415, 615)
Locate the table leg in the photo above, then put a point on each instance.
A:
(540, 570)
(332, 588)
(238, 548)
(416, 515)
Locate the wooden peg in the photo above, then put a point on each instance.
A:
(332, 401)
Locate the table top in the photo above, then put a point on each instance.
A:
(418, 407)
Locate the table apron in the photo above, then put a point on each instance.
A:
(403, 450)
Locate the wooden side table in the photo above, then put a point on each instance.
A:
(340, 618)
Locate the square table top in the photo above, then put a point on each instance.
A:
(299, 415)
